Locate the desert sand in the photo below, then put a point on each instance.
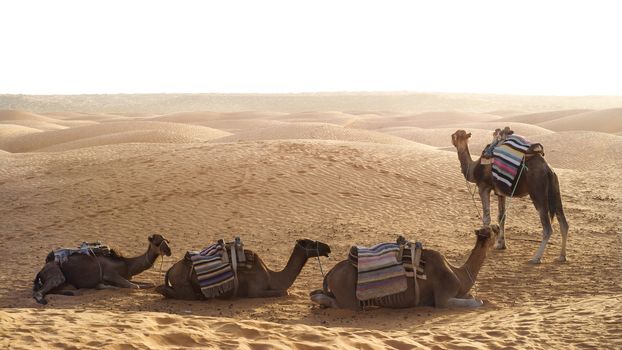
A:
(76, 169)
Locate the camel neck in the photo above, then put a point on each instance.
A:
(467, 165)
(285, 278)
(140, 263)
(469, 270)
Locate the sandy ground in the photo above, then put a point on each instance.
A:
(272, 177)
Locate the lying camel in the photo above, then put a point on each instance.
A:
(87, 271)
(258, 281)
(444, 286)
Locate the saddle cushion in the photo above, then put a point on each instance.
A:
(61, 255)
(213, 270)
(508, 158)
(379, 272)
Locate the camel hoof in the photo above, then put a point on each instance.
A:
(324, 300)
(562, 258)
(40, 298)
(534, 261)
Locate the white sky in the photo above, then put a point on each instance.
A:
(523, 47)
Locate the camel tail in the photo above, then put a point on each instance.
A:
(555, 197)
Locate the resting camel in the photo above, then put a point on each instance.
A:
(445, 285)
(537, 180)
(86, 271)
(180, 281)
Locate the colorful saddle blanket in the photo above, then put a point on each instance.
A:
(214, 269)
(61, 255)
(508, 158)
(382, 270)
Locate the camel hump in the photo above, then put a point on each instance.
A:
(535, 148)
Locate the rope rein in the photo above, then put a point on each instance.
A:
(319, 262)
(479, 216)
(317, 252)
(507, 206)
(101, 273)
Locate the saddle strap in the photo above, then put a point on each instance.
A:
(234, 265)
(415, 255)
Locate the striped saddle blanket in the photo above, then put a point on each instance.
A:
(508, 157)
(382, 269)
(214, 268)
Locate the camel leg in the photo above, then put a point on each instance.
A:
(563, 227)
(501, 216)
(52, 278)
(145, 285)
(342, 283)
(547, 230)
(116, 280)
(183, 292)
(484, 195)
(268, 293)
(456, 302)
(102, 286)
(325, 301)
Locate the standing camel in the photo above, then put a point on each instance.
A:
(87, 271)
(180, 281)
(445, 285)
(537, 180)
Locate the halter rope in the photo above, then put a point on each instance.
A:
(479, 216)
(317, 251)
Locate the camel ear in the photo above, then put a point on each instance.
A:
(150, 238)
(468, 135)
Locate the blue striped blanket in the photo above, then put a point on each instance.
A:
(507, 159)
(213, 269)
(379, 272)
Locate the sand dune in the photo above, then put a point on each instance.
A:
(9, 133)
(187, 117)
(338, 118)
(30, 120)
(608, 120)
(437, 137)
(167, 132)
(582, 150)
(522, 129)
(537, 118)
(423, 120)
(135, 136)
(315, 131)
(14, 115)
(364, 183)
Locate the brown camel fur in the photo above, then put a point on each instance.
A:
(86, 271)
(445, 285)
(259, 281)
(537, 180)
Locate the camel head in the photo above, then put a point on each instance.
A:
(487, 235)
(313, 248)
(460, 139)
(160, 244)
